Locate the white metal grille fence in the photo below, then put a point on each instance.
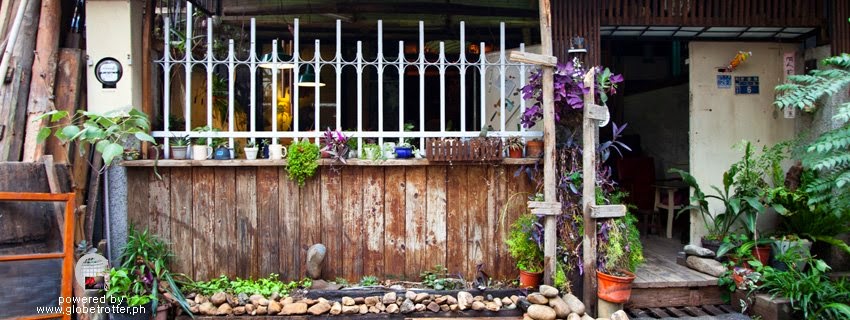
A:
(382, 62)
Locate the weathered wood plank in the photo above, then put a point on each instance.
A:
(225, 220)
(499, 190)
(395, 224)
(312, 222)
(290, 224)
(137, 199)
(353, 236)
(457, 221)
(41, 97)
(331, 221)
(68, 79)
(268, 228)
(159, 202)
(181, 221)
(435, 228)
(373, 214)
(203, 194)
(13, 95)
(246, 223)
(479, 236)
(415, 215)
(608, 211)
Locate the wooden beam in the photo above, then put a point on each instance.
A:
(14, 93)
(589, 136)
(533, 58)
(147, 69)
(550, 223)
(607, 211)
(68, 80)
(41, 97)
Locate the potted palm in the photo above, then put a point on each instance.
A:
(524, 247)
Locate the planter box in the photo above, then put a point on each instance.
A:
(763, 306)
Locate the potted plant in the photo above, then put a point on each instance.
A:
(201, 150)
(222, 152)
(335, 145)
(178, 147)
(524, 247)
(372, 151)
(513, 146)
(251, 150)
(143, 279)
(264, 148)
(302, 160)
(404, 150)
(619, 254)
(534, 148)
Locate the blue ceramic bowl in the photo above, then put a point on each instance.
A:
(404, 152)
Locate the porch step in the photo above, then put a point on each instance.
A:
(705, 312)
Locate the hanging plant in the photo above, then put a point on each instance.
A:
(568, 96)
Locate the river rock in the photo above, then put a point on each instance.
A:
(359, 300)
(407, 306)
(315, 257)
(573, 316)
(420, 297)
(250, 308)
(374, 309)
(478, 305)
(450, 299)
(392, 308)
(586, 317)
(693, 250)
(464, 300)
(548, 291)
(441, 299)
(389, 297)
(350, 309)
(537, 298)
(218, 298)
(453, 307)
(433, 306)
(262, 310)
(288, 300)
(208, 308)
(348, 301)
(562, 310)
(497, 302)
(419, 307)
(507, 301)
(514, 298)
(371, 301)
(541, 312)
(274, 307)
(310, 302)
(410, 295)
(705, 265)
(238, 311)
(574, 303)
(243, 299)
(224, 309)
(364, 309)
(319, 308)
(380, 306)
(478, 298)
(336, 308)
(263, 302)
(200, 299)
(492, 306)
(255, 299)
(619, 315)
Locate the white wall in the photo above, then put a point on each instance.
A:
(719, 118)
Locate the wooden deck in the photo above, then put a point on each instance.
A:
(663, 283)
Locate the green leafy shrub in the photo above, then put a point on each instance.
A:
(264, 286)
(369, 281)
(523, 243)
(302, 161)
(810, 290)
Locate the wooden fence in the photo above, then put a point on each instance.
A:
(388, 221)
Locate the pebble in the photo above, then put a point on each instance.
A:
(294, 308)
(218, 298)
(453, 307)
(441, 299)
(250, 308)
(464, 300)
(445, 308)
(420, 297)
(410, 295)
(336, 308)
(359, 300)
(242, 298)
(507, 301)
(491, 306)
(541, 312)
(407, 306)
(537, 298)
(238, 311)
(433, 306)
(200, 299)
(263, 302)
(478, 305)
(562, 310)
(319, 308)
(262, 310)
(347, 301)
(350, 309)
(372, 301)
(224, 309)
(274, 307)
(586, 317)
(450, 299)
(392, 308)
(287, 300)
(374, 309)
(364, 309)
(419, 307)
(497, 302)
(548, 291)
(574, 316)
(574, 303)
(478, 298)
(255, 299)
(514, 298)
(207, 308)
(389, 297)
(309, 302)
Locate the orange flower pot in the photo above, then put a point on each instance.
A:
(613, 288)
(762, 253)
(515, 152)
(534, 149)
(529, 279)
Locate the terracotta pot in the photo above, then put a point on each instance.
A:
(515, 152)
(534, 149)
(161, 313)
(529, 279)
(613, 288)
(762, 253)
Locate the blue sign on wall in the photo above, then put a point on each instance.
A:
(747, 85)
(724, 81)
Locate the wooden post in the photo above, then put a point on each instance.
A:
(550, 223)
(588, 199)
(13, 94)
(41, 97)
(68, 80)
(147, 69)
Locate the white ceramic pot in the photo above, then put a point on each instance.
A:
(201, 152)
(251, 153)
(277, 152)
(178, 152)
(389, 150)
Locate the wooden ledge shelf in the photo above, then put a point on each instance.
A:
(322, 162)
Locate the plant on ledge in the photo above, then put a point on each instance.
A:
(302, 161)
(568, 80)
(336, 145)
(524, 246)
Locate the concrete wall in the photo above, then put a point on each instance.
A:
(720, 118)
(660, 117)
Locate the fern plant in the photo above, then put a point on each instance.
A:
(829, 154)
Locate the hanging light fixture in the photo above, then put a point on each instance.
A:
(267, 61)
(308, 78)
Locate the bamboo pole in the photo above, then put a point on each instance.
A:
(41, 97)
